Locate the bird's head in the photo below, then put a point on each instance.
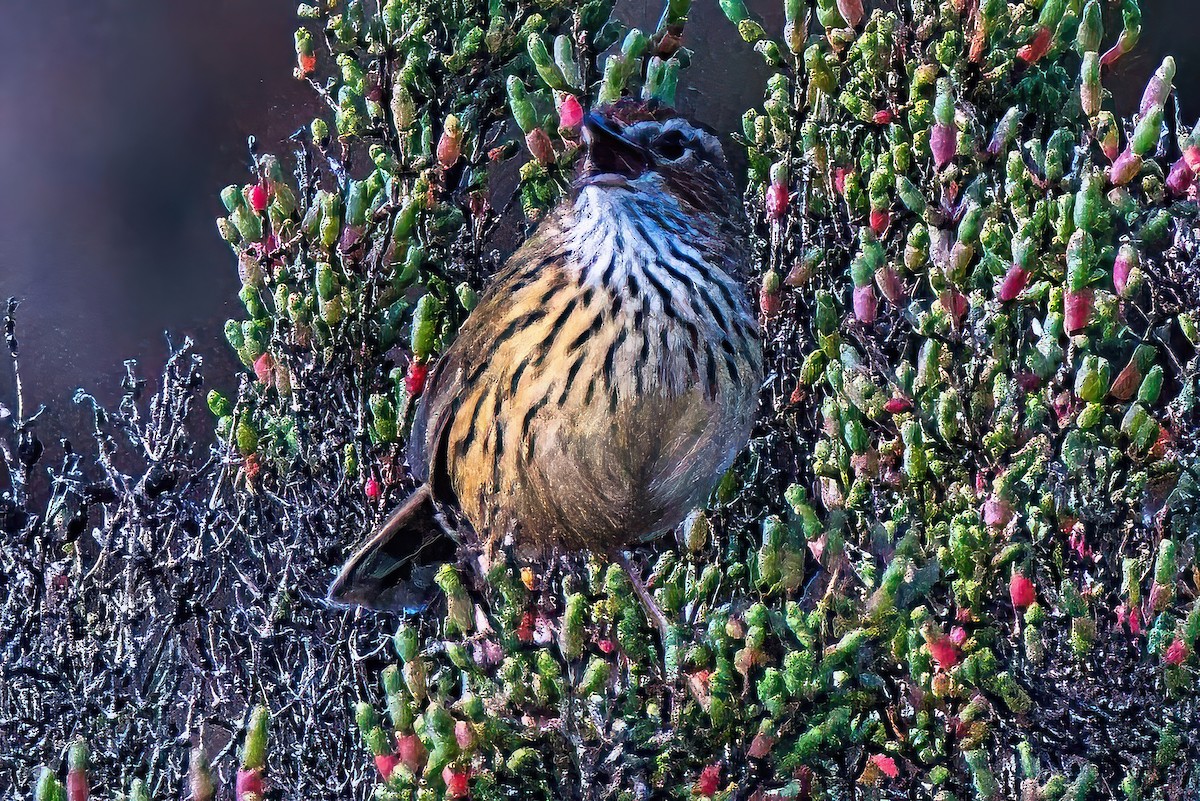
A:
(648, 145)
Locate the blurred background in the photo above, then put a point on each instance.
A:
(120, 121)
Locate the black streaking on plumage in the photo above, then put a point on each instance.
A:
(609, 374)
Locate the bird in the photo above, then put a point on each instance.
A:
(606, 380)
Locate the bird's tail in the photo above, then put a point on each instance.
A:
(393, 570)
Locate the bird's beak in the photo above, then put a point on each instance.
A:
(609, 151)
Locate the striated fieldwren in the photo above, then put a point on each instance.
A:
(607, 378)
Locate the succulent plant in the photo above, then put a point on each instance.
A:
(959, 554)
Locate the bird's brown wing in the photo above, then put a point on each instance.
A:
(451, 378)
(393, 568)
(447, 384)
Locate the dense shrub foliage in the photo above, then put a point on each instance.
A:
(956, 561)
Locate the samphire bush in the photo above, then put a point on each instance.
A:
(957, 560)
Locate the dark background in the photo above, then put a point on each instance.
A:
(120, 121)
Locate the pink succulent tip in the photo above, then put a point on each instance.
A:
(1177, 652)
(570, 113)
(776, 201)
(1125, 168)
(1191, 155)
(385, 764)
(886, 765)
(943, 141)
(851, 11)
(1181, 178)
(955, 303)
(1013, 283)
(760, 746)
(997, 512)
(411, 752)
(249, 784)
(769, 303)
(540, 147)
(1135, 621)
(866, 305)
(264, 369)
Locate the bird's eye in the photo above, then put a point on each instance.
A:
(671, 145)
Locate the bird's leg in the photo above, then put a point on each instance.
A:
(654, 612)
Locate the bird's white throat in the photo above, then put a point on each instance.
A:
(628, 232)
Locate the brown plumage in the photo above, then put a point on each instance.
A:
(608, 376)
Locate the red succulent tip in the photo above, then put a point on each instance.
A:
(386, 763)
(881, 220)
(1078, 309)
(1037, 47)
(709, 781)
(525, 629)
(944, 652)
(1021, 591)
(839, 179)
(414, 378)
(259, 197)
(456, 781)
